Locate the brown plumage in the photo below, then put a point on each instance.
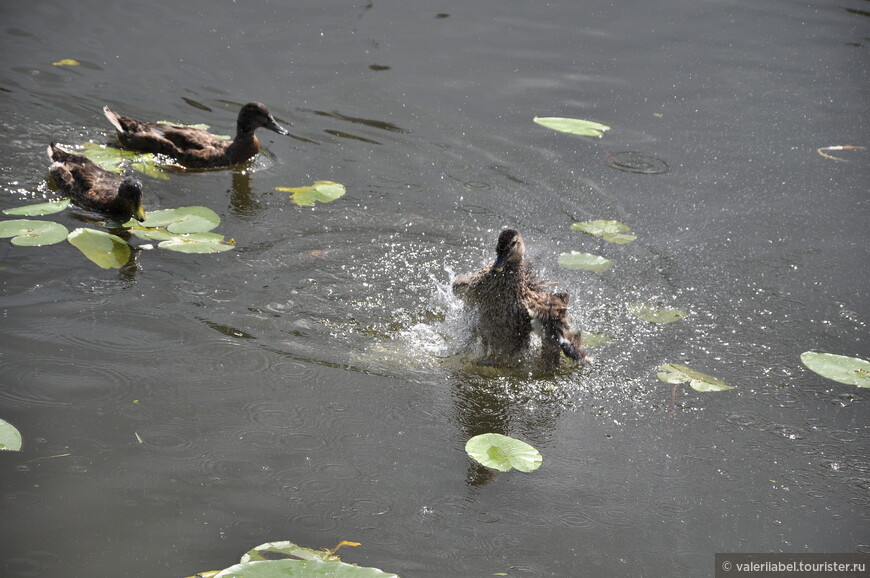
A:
(92, 187)
(194, 147)
(511, 303)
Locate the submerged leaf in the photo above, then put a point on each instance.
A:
(105, 249)
(587, 261)
(193, 219)
(676, 373)
(197, 243)
(200, 126)
(30, 233)
(322, 191)
(10, 437)
(656, 314)
(572, 125)
(301, 569)
(502, 452)
(38, 209)
(840, 368)
(612, 231)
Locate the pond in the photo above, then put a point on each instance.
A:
(309, 384)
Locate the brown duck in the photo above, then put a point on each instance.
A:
(92, 187)
(511, 303)
(193, 147)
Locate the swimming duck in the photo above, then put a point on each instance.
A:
(92, 187)
(194, 147)
(511, 303)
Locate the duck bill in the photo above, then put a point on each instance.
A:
(139, 214)
(499, 264)
(273, 125)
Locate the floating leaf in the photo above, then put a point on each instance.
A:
(200, 126)
(105, 249)
(656, 314)
(182, 220)
(587, 261)
(612, 231)
(10, 437)
(30, 233)
(675, 373)
(572, 125)
(301, 569)
(595, 339)
(197, 243)
(285, 550)
(841, 368)
(38, 209)
(503, 452)
(66, 62)
(113, 159)
(322, 191)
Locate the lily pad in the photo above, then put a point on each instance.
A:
(38, 209)
(113, 159)
(302, 569)
(572, 125)
(587, 261)
(503, 452)
(197, 243)
(321, 191)
(105, 249)
(611, 231)
(10, 437)
(286, 550)
(656, 314)
(595, 339)
(841, 368)
(676, 373)
(200, 126)
(30, 233)
(193, 219)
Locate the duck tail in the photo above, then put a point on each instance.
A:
(113, 118)
(570, 345)
(56, 153)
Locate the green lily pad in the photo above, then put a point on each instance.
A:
(286, 550)
(321, 191)
(611, 231)
(301, 569)
(200, 126)
(105, 249)
(113, 159)
(10, 437)
(587, 261)
(572, 125)
(197, 243)
(194, 219)
(30, 233)
(675, 373)
(38, 209)
(656, 314)
(841, 368)
(595, 339)
(502, 452)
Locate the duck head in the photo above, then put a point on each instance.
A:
(510, 251)
(130, 190)
(254, 115)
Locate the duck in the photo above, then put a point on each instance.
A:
(193, 147)
(92, 187)
(512, 303)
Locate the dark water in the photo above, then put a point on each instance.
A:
(305, 387)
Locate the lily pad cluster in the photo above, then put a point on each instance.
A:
(185, 229)
(287, 559)
(114, 160)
